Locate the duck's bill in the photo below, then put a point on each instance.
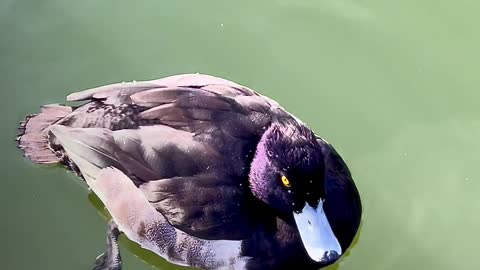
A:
(317, 236)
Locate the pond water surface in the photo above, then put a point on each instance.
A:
(394, 85)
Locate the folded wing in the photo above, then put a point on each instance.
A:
(188, 149)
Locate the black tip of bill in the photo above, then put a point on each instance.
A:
(330, 257)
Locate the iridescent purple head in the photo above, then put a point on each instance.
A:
(287, 173)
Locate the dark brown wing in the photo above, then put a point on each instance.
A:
(188, 149)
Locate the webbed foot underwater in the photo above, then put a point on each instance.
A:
(204, 172)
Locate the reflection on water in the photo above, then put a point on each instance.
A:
(393, 85)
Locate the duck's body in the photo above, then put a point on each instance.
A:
(180, 164)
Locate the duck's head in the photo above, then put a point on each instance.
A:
(287, 173)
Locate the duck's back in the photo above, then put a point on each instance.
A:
(186, 141)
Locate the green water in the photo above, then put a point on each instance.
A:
(393, 85)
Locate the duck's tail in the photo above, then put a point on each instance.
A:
(33, 134)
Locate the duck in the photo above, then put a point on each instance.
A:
(202, 171)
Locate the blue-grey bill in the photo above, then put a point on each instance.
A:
(316, 233)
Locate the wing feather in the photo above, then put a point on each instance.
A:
(211, 83)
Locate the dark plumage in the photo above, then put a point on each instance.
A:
(204, 172)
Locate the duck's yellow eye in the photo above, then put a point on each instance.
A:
(285, 181)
